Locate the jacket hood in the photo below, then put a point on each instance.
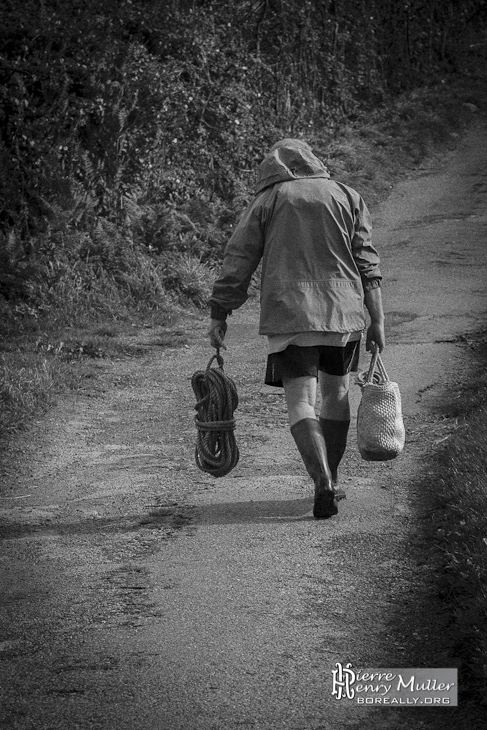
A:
(289, 159)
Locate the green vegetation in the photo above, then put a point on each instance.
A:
(26, 384)
(459, 521)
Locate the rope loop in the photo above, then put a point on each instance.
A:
(216, 451)
(376, 373)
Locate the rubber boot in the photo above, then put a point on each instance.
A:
(311, 445)
(335, 434)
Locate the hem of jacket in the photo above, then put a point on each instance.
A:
(342, 330)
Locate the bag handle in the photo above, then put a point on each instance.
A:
(376, 362)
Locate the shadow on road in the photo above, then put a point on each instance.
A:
(227, 513)
(172, 518)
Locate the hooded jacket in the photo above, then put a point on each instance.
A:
(314, 238)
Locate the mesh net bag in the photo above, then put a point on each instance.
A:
(380, 427)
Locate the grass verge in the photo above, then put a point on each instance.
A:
(459, 526)
(37, 365)
(26, 387)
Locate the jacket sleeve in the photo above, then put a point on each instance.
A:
(241, 258)
(365, 254)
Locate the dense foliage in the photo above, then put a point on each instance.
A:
(130, 128)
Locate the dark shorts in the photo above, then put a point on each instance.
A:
(296, 362)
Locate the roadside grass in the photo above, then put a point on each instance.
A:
(37, 365)
(459, 523)
(26, 388)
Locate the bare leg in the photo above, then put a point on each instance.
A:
(300, 396)
(335, 404)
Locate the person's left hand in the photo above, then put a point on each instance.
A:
(216, 333)
(376, 339)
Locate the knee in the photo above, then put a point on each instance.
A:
(335, 387)
(335, 400)
(300, 398)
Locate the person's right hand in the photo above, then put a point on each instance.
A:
(216, 333)
(376, 337)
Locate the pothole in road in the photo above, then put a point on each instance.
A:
(394, 319)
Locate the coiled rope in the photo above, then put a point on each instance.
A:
(216, 450)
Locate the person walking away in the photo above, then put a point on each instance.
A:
(319, 269)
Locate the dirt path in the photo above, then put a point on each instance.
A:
(138, 593)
